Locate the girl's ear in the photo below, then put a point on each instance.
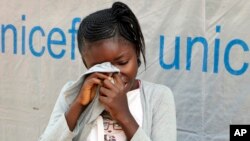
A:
(84, 63)
(138, 57)
(139, 62)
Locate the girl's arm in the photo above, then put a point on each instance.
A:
(63, 120)
(57, 128)
(163, 126)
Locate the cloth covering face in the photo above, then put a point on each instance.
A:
(103, 67)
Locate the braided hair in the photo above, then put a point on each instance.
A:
(117, 20)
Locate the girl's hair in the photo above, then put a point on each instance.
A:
(117, 20)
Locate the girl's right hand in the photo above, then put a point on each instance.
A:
(88, 89)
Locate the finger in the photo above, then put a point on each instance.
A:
(106, 92)
(110, 78)
(88, 84)
(120, 83)
(109, 85)
(93, 92)
(88, 90)
(104, 100)
(118, 80)
(99, 75)
(85, 99)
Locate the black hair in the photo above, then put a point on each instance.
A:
(107, 23)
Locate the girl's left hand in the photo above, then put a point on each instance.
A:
(114, 98)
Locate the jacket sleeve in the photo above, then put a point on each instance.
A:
(163, 126)
(57, 128)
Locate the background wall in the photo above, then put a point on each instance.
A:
(199, 48)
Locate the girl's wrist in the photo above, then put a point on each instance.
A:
(129, 125)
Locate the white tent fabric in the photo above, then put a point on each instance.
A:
(199, 48)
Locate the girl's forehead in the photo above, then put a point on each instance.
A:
(114, 40)
(108, 50)
(110, 44)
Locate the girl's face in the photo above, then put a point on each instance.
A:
(120, 52)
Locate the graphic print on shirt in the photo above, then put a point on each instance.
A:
(112, 130)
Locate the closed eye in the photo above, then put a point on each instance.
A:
(122, 63)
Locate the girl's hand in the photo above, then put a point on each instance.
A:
(85, 96)
(88, 90)
(114, 98)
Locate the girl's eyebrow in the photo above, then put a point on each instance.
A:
(121, 55)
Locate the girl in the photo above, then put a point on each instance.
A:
(125, 107)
